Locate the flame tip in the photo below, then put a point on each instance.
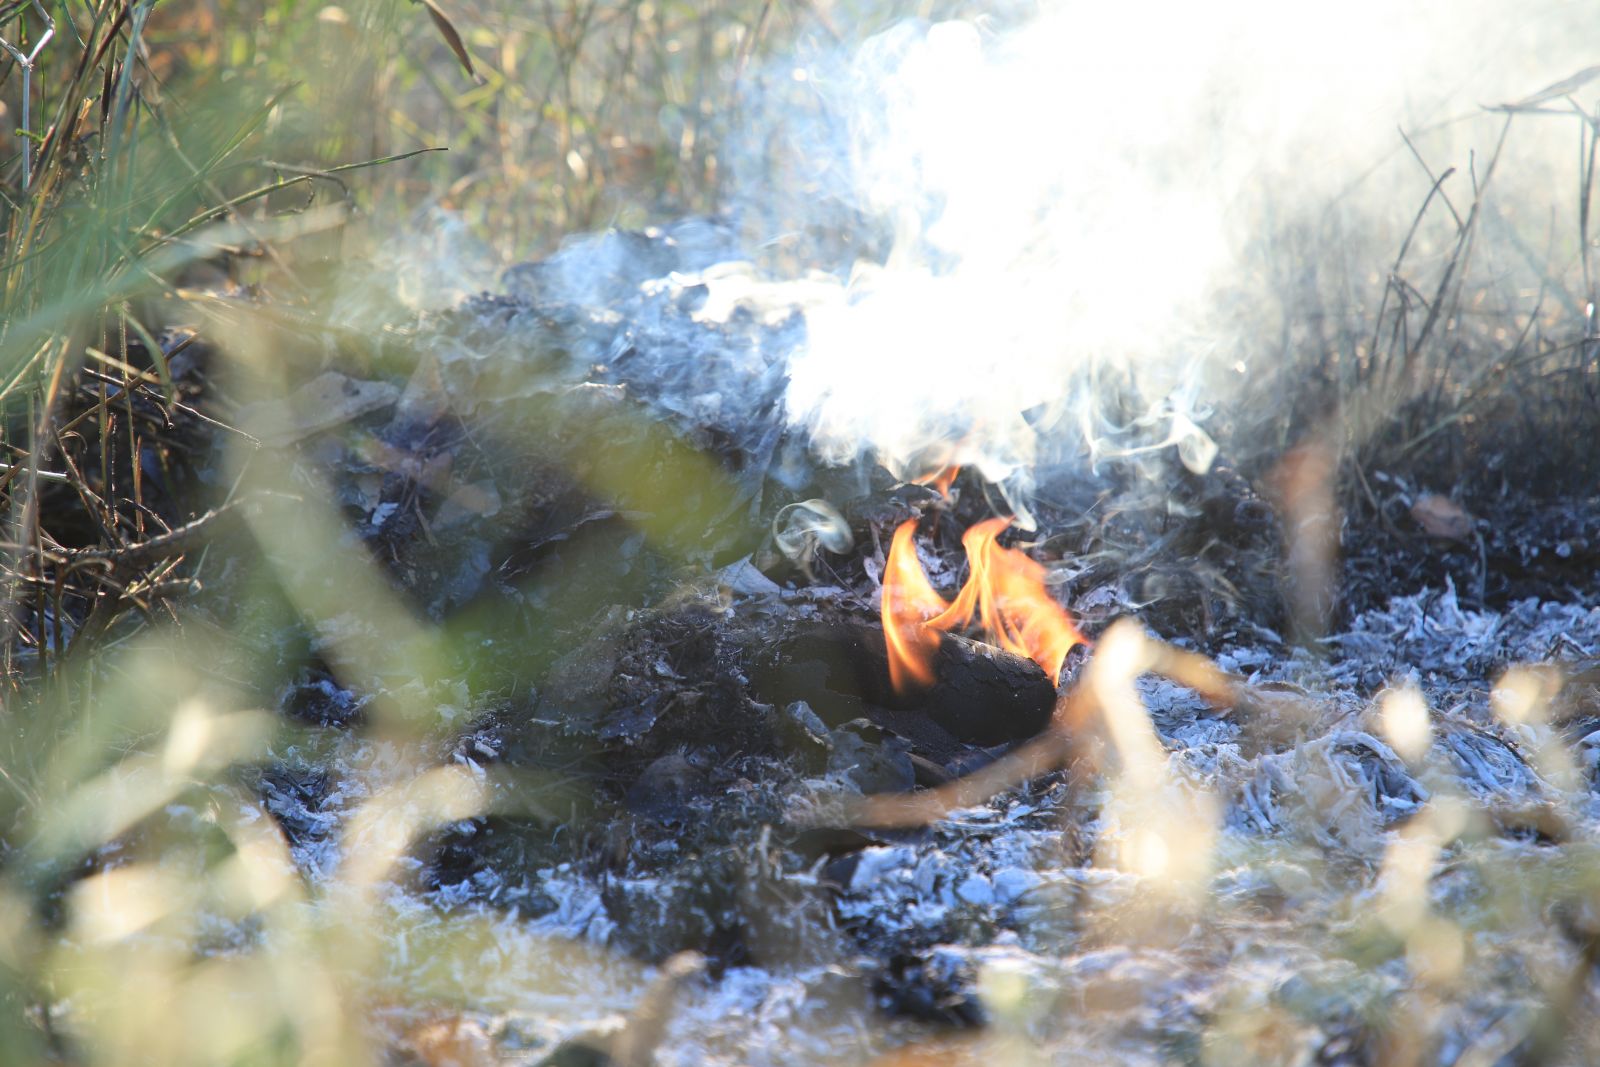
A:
(1004, 592)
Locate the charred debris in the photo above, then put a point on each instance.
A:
(681, 681)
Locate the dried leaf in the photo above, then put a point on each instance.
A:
(452, 38)
(450, 1042)
(477, 500)
(1442, 517)
(429, 470)
(1565, 87)
(326, 401)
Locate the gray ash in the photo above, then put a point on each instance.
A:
(676, 718)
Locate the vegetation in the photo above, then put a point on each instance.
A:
(205, 204)
(171, 174)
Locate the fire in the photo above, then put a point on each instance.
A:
(1004, 593)
(909, 604)
(941, 480)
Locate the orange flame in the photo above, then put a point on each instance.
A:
(941, 480)
(909, 601)
(1004, 592)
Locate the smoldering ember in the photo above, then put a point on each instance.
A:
(984, 621)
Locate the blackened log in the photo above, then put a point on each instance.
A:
(981, 695)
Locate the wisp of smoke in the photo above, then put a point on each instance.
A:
(1066, 196)
(1083, 230)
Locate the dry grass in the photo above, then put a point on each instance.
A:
(170, 153)
(153, 161)
(1472, 361)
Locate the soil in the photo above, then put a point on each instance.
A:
(678, 717)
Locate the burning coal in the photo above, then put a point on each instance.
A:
(1004, 593)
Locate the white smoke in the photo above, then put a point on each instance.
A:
(1075, 192)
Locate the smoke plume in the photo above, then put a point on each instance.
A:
(1155, 196)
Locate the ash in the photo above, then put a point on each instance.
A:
(672, 761)
(999, 921)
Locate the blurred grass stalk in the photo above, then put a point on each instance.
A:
(149, 907)
(196, 142)
(167, 149)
